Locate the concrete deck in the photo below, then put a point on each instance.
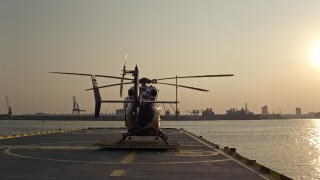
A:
(72, 155)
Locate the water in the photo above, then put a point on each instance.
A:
(291, 147)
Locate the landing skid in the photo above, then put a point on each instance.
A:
(129, 134)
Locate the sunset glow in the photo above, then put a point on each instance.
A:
(315, 54)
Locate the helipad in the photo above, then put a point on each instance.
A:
(73, 155)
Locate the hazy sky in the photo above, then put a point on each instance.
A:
(266, 44)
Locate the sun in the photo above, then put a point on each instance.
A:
(315, 54)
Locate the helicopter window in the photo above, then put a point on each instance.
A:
(153, 92)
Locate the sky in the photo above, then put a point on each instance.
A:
(267, 45)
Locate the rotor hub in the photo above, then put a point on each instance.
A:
(145, 81)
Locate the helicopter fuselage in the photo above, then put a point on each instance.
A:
(143, 117)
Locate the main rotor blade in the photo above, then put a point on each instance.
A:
(81, 74)
(194, 88)
(180, 77)
(110, 85)
(114, 77)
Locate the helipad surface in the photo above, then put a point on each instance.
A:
(72, 155)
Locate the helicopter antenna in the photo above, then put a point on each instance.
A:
(125, 59)
(123, 73)
(176, 97)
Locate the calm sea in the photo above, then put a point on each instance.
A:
(291, 147)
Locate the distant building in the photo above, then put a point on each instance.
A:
(264, 110)
(298, 111)
(120, 112)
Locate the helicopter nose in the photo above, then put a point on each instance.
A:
(130, 92)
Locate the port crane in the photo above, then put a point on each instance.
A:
(76, 109)
(166, 111)
(8, 107)
(142, 108)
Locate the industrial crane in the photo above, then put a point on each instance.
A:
(167, 111)
(176, 111)
(76, 109)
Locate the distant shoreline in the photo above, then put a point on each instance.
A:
(121, 117)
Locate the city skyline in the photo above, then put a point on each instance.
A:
(271, 47)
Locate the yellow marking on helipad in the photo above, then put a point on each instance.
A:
(118, 173)
(9, 152)
(129, 159)
(39, 133)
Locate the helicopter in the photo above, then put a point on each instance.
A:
(142, 107)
